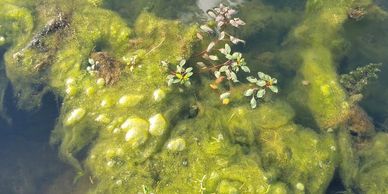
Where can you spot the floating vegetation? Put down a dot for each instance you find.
(224, 69)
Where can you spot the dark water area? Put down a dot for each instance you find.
(28, 163)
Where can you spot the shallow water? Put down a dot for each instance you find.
(61, 131)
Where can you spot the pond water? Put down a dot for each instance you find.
(193, 96)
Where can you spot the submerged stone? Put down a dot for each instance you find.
(136, 136)
(71, 90)
(75, 116)
(158, 125)
(129, 100)
(135, 122)
(159, 95)
(176, 145)
(137, 131)
(102, 118)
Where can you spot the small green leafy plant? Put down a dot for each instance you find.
(219, 60)
(181, 75)
(260, 86)
(355, 81)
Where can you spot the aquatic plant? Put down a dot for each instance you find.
(357, 13)
(355, 81)
(225, 68)
(180, 75)
(259, 90)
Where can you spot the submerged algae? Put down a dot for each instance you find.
(318, 36)
(138, 135)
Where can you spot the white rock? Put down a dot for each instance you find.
(71, 90)
(176, 145)
(300, 186)
(129, 100)
(136, 136)
(75, 116)
(70, 81)
(137, 133)
(159, 95)
(134, 122)
(102, 118)
(158, 125)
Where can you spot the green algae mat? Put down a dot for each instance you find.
(242, 97)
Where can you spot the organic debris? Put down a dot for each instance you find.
(105, 66)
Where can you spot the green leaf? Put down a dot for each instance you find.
(261, 83)
(199, 36)
(188, 70)
(267, 78)
(170, 82)
(210, 46)
(189, 74)
(274, 89)
(252, 79)
(235, 55)
(223, 51)
(233, 76)
(201, 64)
(206, 29)
(227, 48)
(213, 57)
(261, 75)
(245, 69)
(222, 36)
(249, 92)
(253, 102)
(224, 95)
(179, 69)
(183, 62)
(260, 93)
(217, 74)
(235, 40)
(223, 69)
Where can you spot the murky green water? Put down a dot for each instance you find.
(175, 96)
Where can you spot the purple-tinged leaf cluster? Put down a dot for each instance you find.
(221, 61)
(223, 15)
